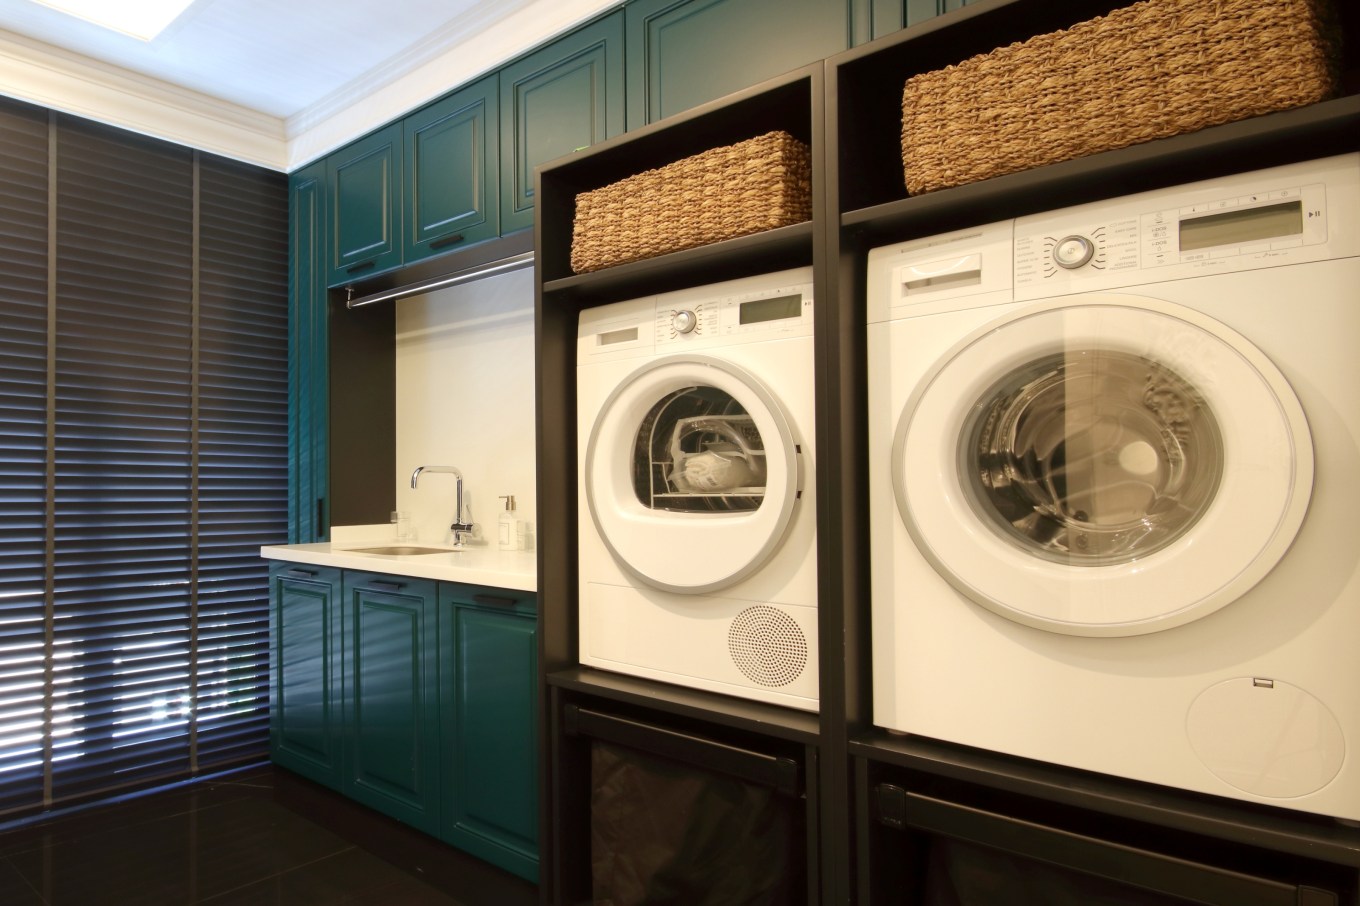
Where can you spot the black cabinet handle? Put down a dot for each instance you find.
(494, 600)
(300, 573)
(390, 587)
(320, 518)
(443, 241)
(361, 266)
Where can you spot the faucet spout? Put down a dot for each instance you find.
(459, 528)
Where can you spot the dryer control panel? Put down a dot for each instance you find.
(738, 311)
(1286, 215)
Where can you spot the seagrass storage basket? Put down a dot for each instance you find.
(1147, 71)
(754, 185)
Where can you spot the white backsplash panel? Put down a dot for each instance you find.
(465, 398)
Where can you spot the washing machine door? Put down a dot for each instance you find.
(692, 473)
(1103, 465)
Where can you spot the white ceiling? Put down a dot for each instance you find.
(283, 66)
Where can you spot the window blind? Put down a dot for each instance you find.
(242, 450)
(23, 451)
(143, 460)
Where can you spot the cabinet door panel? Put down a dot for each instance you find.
(365, 179)
(392, 699)
(891, 15)
(308, 360)
(566, 96)
(491, 800)
(451, 172)
(305, 719)
(682, 53)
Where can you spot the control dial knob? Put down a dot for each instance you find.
(684, 321)
(1072, 252)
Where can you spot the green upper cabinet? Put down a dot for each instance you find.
(565, 96)
(451, 172)
(489, 679)
(890, 15)
(682, 53)
(307, 356)
(365, 206)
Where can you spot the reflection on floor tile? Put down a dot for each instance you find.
(220, 843)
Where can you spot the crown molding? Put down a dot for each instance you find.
(485, 39)
(41, 74)
(452, 57)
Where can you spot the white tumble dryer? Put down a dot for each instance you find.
(697, 521)
(1114, 477)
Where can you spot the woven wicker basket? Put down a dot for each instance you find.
(754, 185)
(1147, 71)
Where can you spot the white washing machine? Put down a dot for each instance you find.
(1114, 477)
(697, 514)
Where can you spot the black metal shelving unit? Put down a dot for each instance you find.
(848, 109)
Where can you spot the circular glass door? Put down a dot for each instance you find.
(1106, 465)
(691, 474)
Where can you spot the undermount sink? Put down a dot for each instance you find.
(400, 550)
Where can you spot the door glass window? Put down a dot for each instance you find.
(698, 450)
(1091, 457)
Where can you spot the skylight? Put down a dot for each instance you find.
(141, 19)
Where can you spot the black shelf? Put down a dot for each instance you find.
(1265, 827)
(778, 249)
(723, 710)
(1286, 137)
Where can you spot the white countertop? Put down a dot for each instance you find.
(475, 565)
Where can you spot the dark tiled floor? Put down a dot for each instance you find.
(258, 836)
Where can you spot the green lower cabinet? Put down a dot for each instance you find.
(392, 697)
(488, 678)
(306, 720)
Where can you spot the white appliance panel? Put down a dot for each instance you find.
(722, 599)
(1255, 699)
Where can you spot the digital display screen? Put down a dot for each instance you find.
(1241, 227)
(776, 309)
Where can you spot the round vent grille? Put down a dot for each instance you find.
(767, 646)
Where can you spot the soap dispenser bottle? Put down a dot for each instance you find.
(510, 530)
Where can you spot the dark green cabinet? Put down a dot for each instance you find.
(308, 346)
(365, 206)
(682, 53)
(566, 96)
(891, 15)
(489, 679)
(392, 696)
(306, 720)
(417, 698)
(451, 178)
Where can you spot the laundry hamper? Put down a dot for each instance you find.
(754, 185)
(1147, 71)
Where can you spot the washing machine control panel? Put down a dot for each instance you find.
(738, 312)
(1231, 225)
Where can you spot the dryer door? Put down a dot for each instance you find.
(692, 473)
(1103, 465)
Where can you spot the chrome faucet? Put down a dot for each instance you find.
(459, 528)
